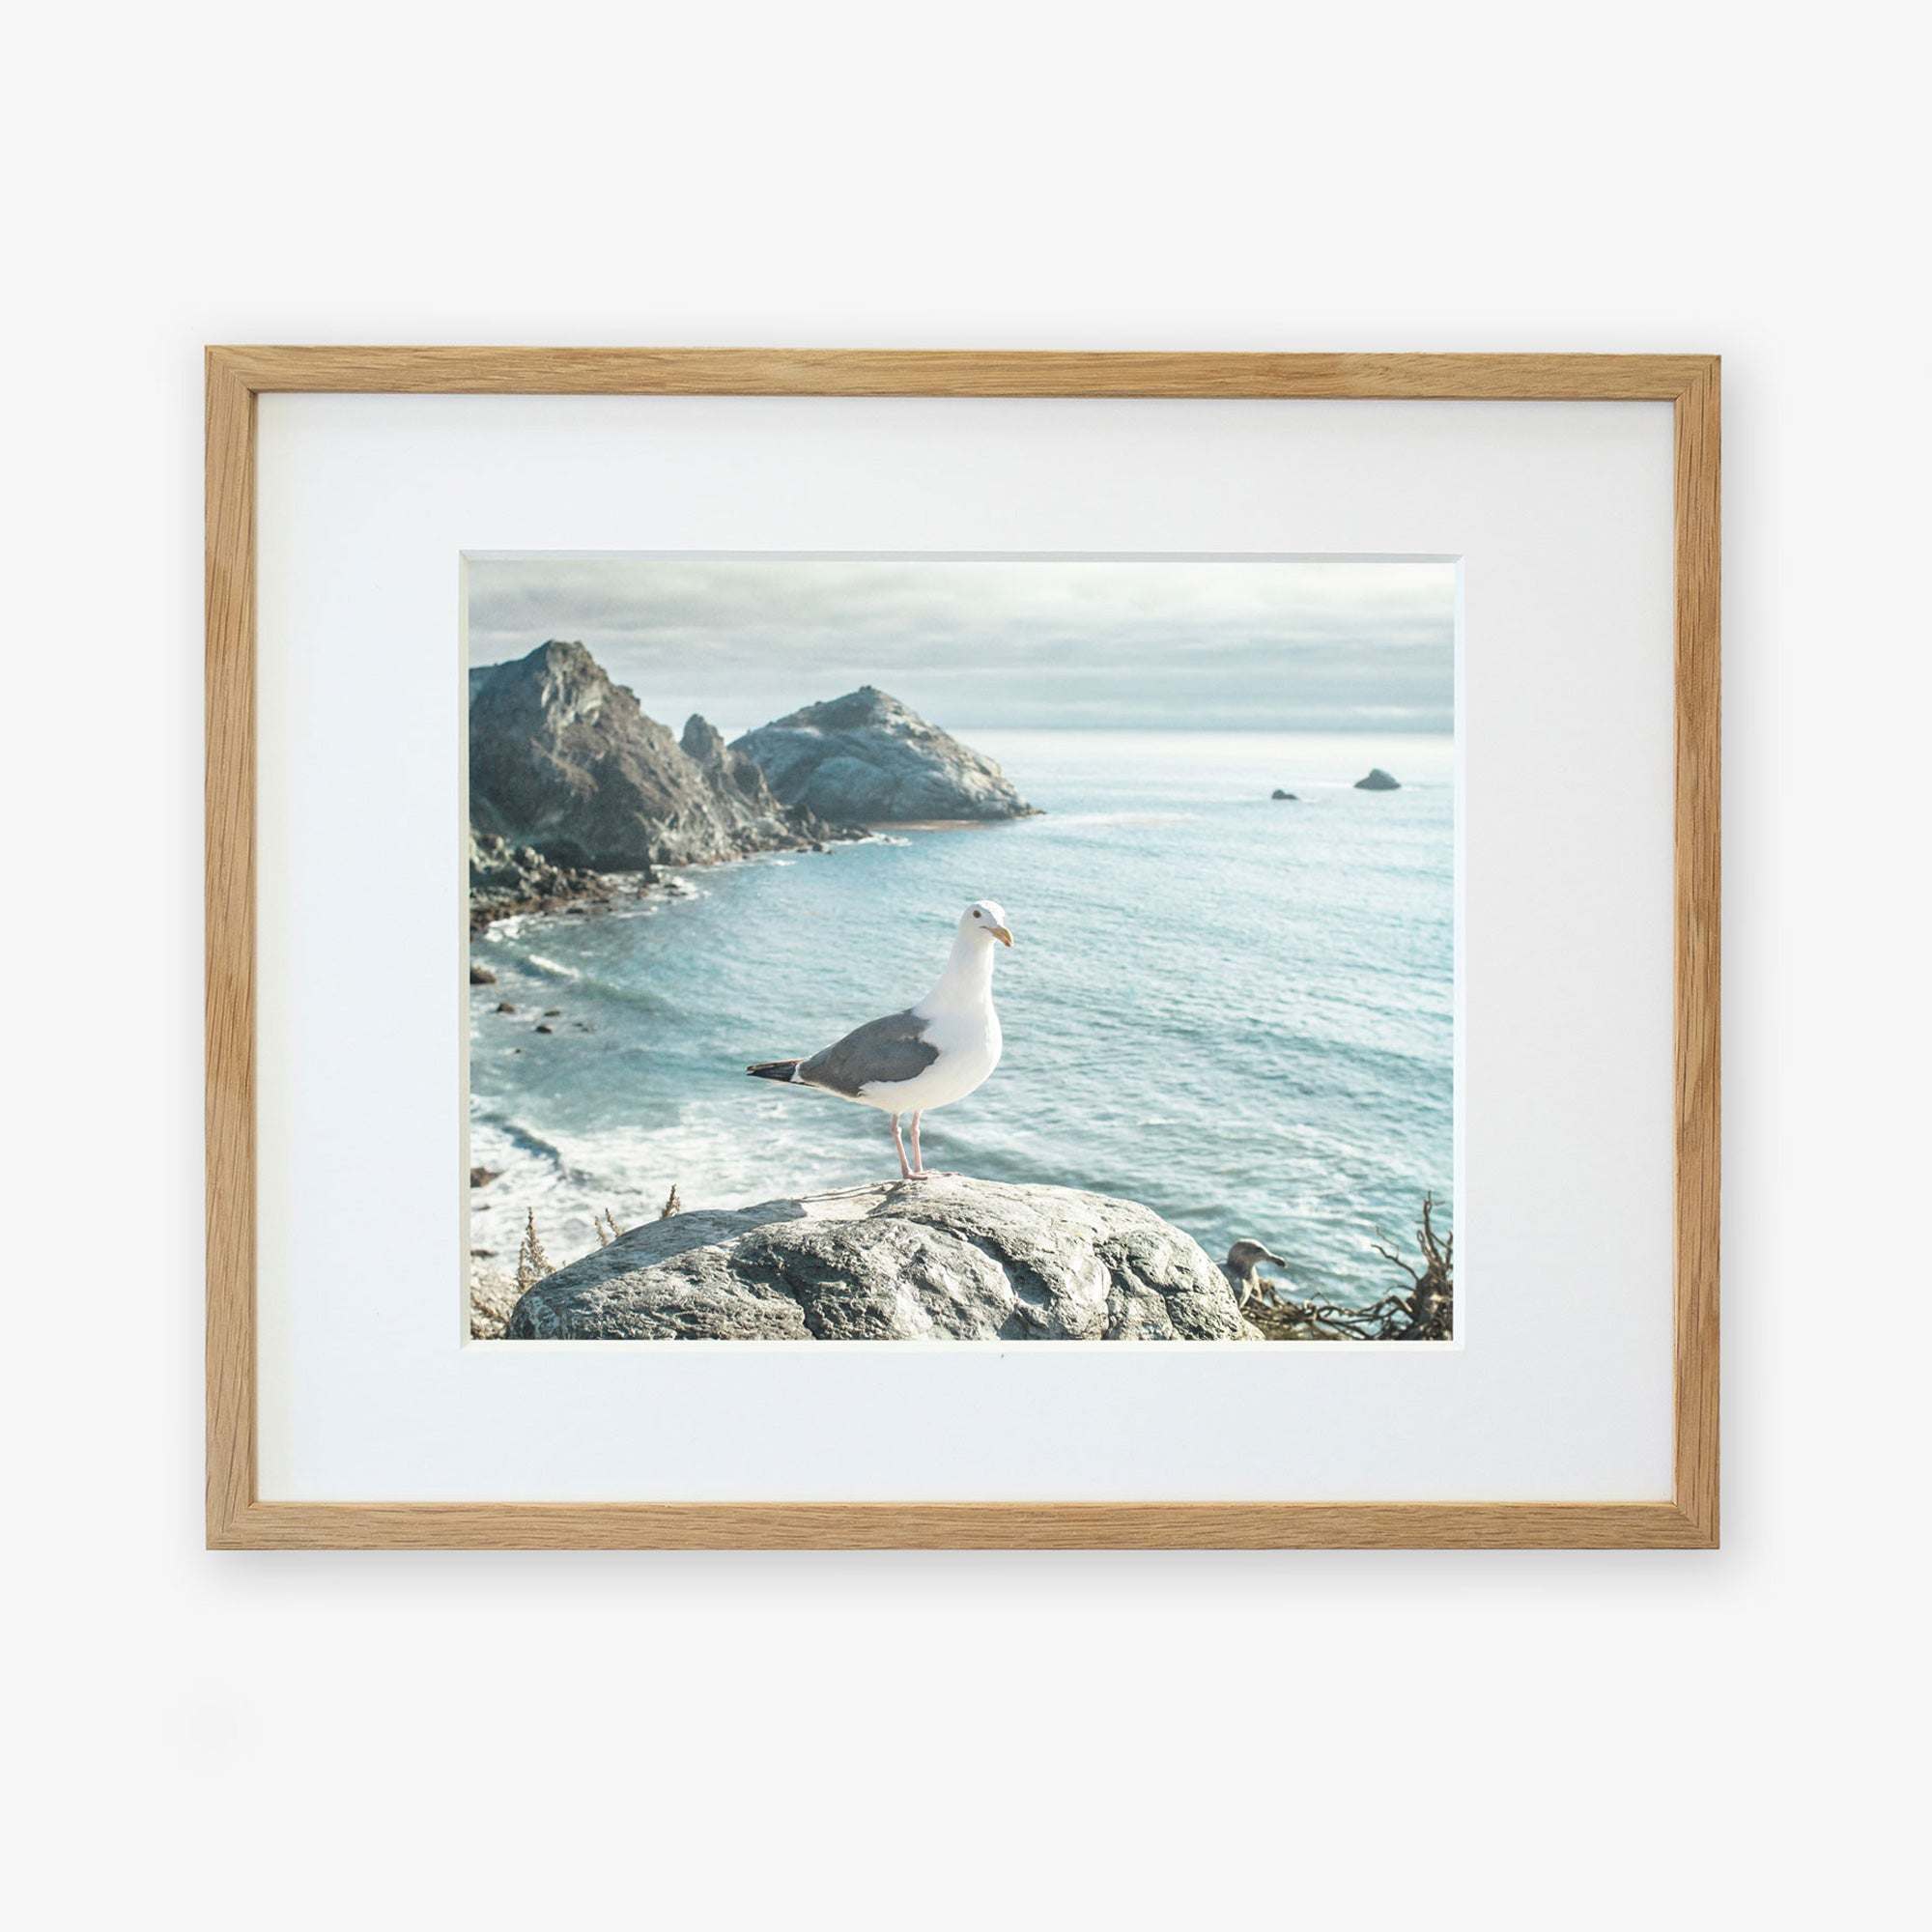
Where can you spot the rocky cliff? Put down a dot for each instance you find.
(945, 1259)
(867, 758)
(730, 774)
(563, 760)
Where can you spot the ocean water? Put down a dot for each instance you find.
(1237, 1011)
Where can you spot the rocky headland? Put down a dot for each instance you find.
(574, 788)
(947, 1259)
(869, 758)
(563, 760)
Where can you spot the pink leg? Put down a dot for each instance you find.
(917, 1159)
(905, 1172)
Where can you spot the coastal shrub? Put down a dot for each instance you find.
(532, 1263)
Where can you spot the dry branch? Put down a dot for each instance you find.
(1425, 1312)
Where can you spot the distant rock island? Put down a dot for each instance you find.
(1378, 781)
(867, 756)
(1278, 793)
(570, 780)
(947, 1259)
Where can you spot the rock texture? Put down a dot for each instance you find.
(565, 761)
(732, 775)
(945, 1259)
(865, 757)
(506, 878)
(1378, 781)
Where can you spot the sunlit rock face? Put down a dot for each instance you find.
(867, 758)
(944, 1259)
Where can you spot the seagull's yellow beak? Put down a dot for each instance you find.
(1001, 933)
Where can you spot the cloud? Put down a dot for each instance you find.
(1333, 644)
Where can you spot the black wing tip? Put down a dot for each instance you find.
(774, 1069)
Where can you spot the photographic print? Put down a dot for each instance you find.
(956, 951)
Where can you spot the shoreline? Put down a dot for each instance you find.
(955, 824)
(603, 890)
(607, 889)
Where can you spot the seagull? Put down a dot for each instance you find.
(1244, 1258)
(933, 1053)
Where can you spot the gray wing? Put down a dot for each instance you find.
(893, 1048)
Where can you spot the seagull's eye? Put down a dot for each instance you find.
(976, 912)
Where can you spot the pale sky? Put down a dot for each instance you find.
(1333, 644)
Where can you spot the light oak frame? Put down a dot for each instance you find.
(238, 1518)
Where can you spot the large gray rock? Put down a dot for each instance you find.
(566, 762)
(944, 1259)
(1379, 780)
(865, 757)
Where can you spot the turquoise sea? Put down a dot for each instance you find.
(1234, 1010)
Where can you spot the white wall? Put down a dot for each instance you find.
(930, 1740)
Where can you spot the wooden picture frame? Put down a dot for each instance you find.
(237, 1517)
